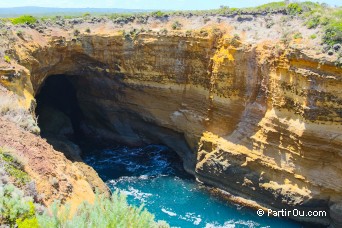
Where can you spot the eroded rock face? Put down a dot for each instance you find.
(56, 177)
(259, 121)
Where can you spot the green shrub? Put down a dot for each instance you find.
(7, 59)
(14, 168)
(25, 19)
(68, 17)
(20, 33)
(294, 9)
(325, 20)
(188, 33)
(176, 25)
(157, 14)
(87, 30)
(269, 24)
(105, 212)
(233, 10)
(15, 208)
(333, 28)
(297, 35)
(76, 32)
(28, 219)
(313, 36)
(333, 33)
(313, 22)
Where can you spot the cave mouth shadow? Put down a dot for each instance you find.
(63, 120)
(58, 111)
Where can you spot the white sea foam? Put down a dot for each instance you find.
(197, 221)
(168, 212)
(192, 217)
(141, 196)
(233, 224)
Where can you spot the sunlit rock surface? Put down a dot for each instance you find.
(262, 121)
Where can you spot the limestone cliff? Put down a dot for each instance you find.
(262, 121)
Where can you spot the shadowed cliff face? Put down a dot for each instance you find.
(259, 121)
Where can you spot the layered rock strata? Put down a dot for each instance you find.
(262, 121)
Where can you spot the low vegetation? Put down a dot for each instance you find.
(16, 209)
(176, 25)
(104, 212)
(333, 33)
(14, 168)
(20, 209)
(294, 9)
(25, 19)
(313, 36)
(313, 15)
(157, 14)
(7, 59)
(77, 32)
(330, 19)
(86, 15)
(297, 35)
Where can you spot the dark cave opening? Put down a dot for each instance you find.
(71, 117)
(58, 111)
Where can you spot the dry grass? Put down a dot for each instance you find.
(12, 111)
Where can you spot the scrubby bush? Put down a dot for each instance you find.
(76, 32)
(7, 59)
(333, 33)
(313, 36)
(176, 25)
(87, 30)
(25, 19)
(269, 23)
(104, 212)
(16, 210)
(313, 22)
(294, 9)
(188, 33)
(157, 14)
(20, 33)
(285, 37)
(325, 20)
(14, 168)
(298, 35)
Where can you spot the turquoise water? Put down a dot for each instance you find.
(153, 175)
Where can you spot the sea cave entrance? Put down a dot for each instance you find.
(58, 111)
